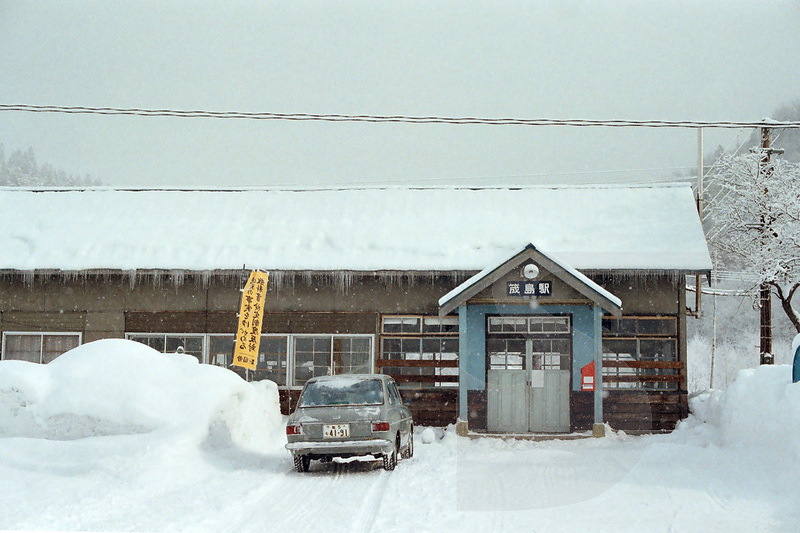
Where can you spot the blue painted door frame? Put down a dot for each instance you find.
(586, 345)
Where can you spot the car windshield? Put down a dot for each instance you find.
(342, 391)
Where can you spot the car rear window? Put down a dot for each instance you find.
(344, 391)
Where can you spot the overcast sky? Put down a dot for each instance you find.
(672, 60)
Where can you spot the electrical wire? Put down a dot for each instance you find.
(407, 119)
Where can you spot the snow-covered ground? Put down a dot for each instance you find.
(114, 436)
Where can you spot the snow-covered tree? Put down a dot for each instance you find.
(21, 170)
(757, 222)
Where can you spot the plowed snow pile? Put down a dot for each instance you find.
(760, 409)
(118, 387)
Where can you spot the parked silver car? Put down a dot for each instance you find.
(350, 415)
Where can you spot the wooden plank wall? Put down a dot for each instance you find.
(581, 410)
(432, 407)
(288, 399)
(638, 410)
(476, 409)
(630, 410)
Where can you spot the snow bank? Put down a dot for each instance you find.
(761, 409)
(115, 387)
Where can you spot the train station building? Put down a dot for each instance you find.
(509, 310)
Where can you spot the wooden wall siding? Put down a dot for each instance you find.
(581, 410)
(476, 409)
(432, 407)
(640, 411)
(288, 400)
(166, 322)
(32, 321)
(652, 376)
(318, 322)
(644, 411)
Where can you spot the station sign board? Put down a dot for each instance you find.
(529, 288)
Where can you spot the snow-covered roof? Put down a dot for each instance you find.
(588, 227)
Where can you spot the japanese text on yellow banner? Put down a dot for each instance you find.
(251, 313)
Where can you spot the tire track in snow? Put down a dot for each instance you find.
(371, 505)
(319, 498)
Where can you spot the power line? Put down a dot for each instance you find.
(407, 119)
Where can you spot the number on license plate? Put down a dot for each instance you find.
(334, 431)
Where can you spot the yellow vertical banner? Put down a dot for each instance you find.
(251, 313)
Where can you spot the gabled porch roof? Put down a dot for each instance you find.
(559, 269)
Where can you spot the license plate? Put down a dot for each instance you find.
(335, 431)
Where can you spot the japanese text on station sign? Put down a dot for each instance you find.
(251, 314)
(529, 288)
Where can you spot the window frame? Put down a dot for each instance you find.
(638, 338)
(290, 347)
(41, 335)
(419, 338)
(671, 318)
(290, 356)
(421, 331)
(203, 337)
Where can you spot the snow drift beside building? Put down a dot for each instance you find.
(114, 387)
(761, 409)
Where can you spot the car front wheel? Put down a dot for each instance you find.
(301, 463)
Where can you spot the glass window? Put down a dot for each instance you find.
(55, 345)
(312, 355)
(506, 354)
(395, 393)
(272, 357)
(530, 324)
(633, 327)
(402, 324)
(191, 344)
(220, 350)
(156, 342)
(440, 325)
(624, 360)
(657, 350)
(38, 347)
(635, 350)
(425, 356)
(351, 355)
(342, 391)
(23, 348)
(312, 358)
(657, 326)
(330, 354)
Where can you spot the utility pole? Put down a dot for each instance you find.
(764, 292)
(700, 194)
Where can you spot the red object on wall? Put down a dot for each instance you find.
(587, 377)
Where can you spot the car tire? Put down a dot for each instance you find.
(409, 453)
(390, 460)
(301, 463)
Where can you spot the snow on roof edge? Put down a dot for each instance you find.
(486, 271)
